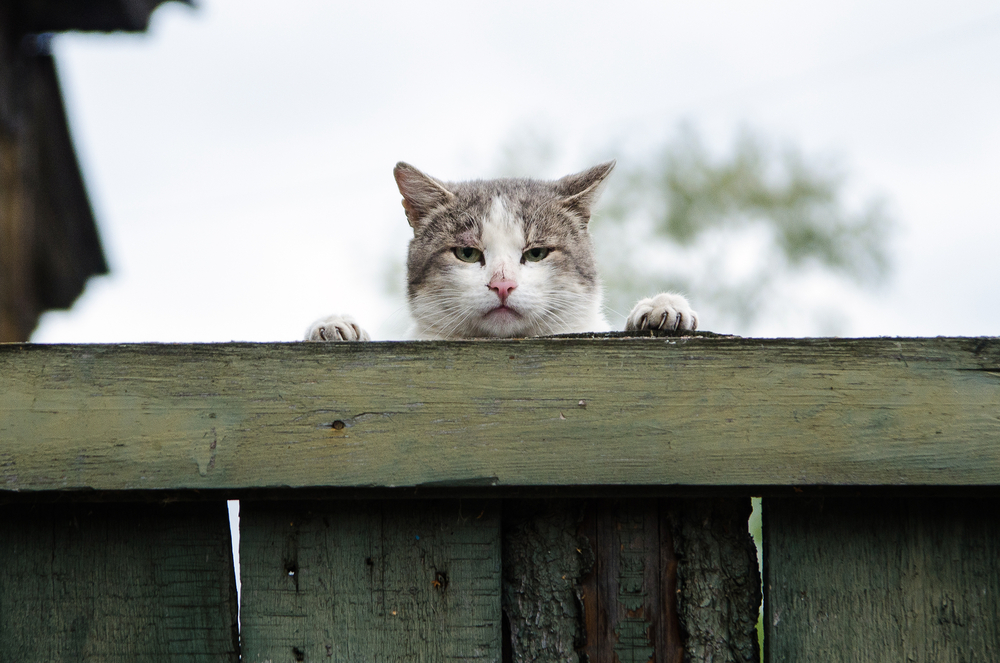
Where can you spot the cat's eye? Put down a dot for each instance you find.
(535, 254)
(468, 253)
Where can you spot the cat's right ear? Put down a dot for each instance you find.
(421, 193)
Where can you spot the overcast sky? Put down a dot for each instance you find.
(239, 155)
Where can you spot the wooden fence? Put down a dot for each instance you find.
(532, 500)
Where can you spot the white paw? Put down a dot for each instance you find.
(336, 328)
(664, 311)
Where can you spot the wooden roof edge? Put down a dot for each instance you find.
(41, 16)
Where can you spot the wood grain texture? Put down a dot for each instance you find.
(117, 583)
(718, 580)
(630, 580)
(887, 580)
(673, 580)
(536, 412)
(626, 604)
(371, 581)
(544, 558)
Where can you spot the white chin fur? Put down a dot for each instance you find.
(430, 324)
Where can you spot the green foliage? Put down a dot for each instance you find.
(775, 212)
(801, 201)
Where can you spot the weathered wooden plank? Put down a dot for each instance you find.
(536, 412)
(545, 557)
(718, 580)
(370, 581)
(630, 580)
(119, 582)
(629, 609)
(889, 580)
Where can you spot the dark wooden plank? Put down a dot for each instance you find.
(129, 583)
(536, 412)
(630, 580)
(627, 582)
(667, 636)
(545, 556)
(674, 580)
(718, 580)
(370, 581)
(889, 580)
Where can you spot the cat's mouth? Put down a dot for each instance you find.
(503, 311)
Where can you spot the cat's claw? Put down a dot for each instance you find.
(666, 310)
(336, 328)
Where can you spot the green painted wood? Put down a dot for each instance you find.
(118, 582)
(370, 581)
(882, 580)
(536, 412)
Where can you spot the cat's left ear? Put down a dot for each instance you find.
(581, 191)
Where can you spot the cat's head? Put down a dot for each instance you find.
(501, 258)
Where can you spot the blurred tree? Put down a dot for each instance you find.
(748, 236)
(732, 231)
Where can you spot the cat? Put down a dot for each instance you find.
(505, 258)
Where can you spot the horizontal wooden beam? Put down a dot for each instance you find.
(610, 411)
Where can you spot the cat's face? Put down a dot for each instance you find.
(501, 258)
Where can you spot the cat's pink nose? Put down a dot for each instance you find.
(502, 288)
